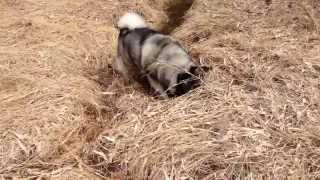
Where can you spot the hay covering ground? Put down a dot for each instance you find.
(54, 72)
(65, 115)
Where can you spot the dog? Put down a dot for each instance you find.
(146, 55)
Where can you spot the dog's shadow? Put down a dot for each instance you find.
(113, 83)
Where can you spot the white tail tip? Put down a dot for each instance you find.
(131, 21)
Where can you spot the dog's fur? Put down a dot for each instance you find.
(147, 55)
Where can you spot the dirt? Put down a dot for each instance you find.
(175, 11)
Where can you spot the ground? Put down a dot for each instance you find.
(64, 113)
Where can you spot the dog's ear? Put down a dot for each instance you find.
(199, 70)
(206, 68)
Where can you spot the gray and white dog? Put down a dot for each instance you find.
(147, 55)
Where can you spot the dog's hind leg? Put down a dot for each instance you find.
(119, 67)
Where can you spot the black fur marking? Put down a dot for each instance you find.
(145, 34)
(185, 83)
(183, 77)
(124, 32)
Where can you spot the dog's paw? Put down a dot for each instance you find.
(159, 95)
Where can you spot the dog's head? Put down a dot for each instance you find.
(188, 80)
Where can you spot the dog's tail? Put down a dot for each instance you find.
(131, 21)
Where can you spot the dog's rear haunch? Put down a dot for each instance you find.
(147, 55)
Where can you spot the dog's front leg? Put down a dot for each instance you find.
(158, 89)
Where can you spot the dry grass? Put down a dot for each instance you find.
(255, 117)
(54, 76)
(63, 113)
